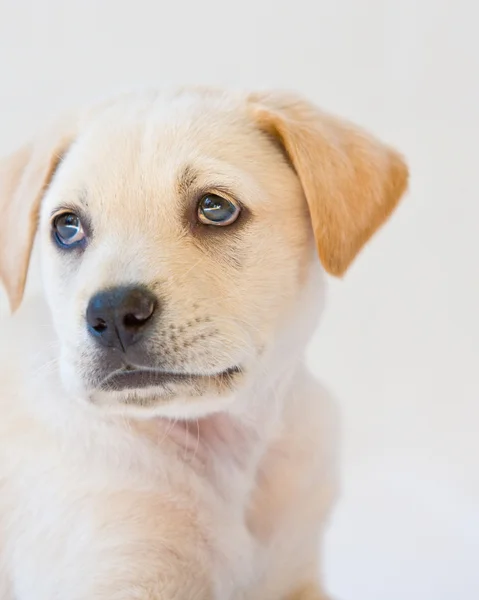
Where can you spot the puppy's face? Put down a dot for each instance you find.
(175, 238)
(177, 242)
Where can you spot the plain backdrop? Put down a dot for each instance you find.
(399, 341)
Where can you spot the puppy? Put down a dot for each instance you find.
(160, 437)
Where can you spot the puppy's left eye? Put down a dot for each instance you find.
(216, 210)
(68, 230)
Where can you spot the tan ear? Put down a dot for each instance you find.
(352, 182)
(24, 177)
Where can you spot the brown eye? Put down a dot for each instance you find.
(216, 210)
(68, 230)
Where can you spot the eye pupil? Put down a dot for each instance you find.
(68, 226)
(71, 220)
(68, 229)
(215, 210)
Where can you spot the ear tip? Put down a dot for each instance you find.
(14, 295)
(13, 303)
(334, 264)
(400, 174)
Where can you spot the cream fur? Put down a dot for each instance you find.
(205, 494)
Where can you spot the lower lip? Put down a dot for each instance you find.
(138, 379)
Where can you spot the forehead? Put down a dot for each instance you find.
(154, 145)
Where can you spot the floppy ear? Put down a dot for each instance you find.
(352, 182)
(24, 177)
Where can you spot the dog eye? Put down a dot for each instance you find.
(216, 210)
(68, 230)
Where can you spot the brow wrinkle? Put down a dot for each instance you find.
(186, 180)
(83, 198)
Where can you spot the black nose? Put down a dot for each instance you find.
(118, 317)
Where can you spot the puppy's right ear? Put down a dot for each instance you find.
(24, 177)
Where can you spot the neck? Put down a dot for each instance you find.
(234, 440)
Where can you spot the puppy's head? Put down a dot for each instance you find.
(178, 235)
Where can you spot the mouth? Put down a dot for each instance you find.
(134, 379)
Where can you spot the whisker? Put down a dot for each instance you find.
(187, 433)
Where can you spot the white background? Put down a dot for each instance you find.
(400, 339)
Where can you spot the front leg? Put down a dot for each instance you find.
(124, 546)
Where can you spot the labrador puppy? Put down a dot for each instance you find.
(160, 437)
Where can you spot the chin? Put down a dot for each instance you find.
(150, 393)
(157, 402)
(147, 392)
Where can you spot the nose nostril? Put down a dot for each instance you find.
(138, 318)
(132, 321)
(100, 326)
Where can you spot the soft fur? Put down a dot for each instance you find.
(213, 489)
